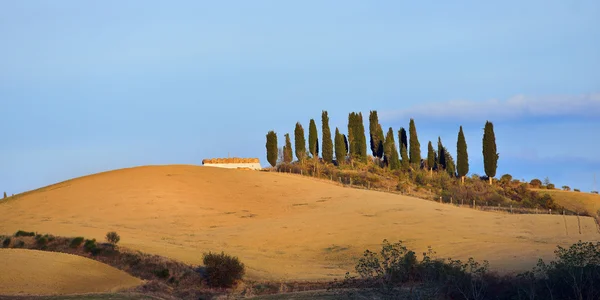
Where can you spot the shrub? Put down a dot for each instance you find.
(42, 241)
(113, 238)
(91, 246)
(162, 273)
(223, 270)
(550, 186)
(20, 244)
(506, 178)
(594, 192)
(536, 183)
(24, 233)
(76, 242)
(566, 188)
(576, 190)
(6, 242)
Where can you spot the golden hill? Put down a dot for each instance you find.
(281, 226)
(575, 201)
(31, 272)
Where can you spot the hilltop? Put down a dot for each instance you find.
(282, 226)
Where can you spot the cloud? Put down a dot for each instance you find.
(516, 107)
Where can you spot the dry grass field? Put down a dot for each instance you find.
(281, 226)
(48, 273)
(575, 201)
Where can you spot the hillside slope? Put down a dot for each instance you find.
(31, 272)
(575, 201)
(280, 225)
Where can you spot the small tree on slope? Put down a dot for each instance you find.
(490, 154)
(327, 151)
(271, 146)
(462, 156)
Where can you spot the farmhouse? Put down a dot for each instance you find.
(233, 163)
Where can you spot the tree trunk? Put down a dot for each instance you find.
(490, 180)
(462, 180)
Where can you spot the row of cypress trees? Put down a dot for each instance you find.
(383, 148)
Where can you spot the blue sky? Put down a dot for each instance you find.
(93, 86)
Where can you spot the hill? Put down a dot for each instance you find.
(281, 226)
(575, 201)
(31, 272)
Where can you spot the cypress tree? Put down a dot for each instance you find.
(490, 156)
(462, 156)
(356, 137)
(376, 135)
(415, 147)
(441, 163)
(351, 128)
(405, 163)
(327, 151)
(271, 146)
(5, 195)
(430, 156)
(340, 147)
(313, 139)
(300, 142)
(403, 139)
(450, 167)
(288, 154)
(391, 153)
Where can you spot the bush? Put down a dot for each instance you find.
(92, 247)
(6, 242)
(506, 178)
(24, 233)
(19, 244)
(76, 242)
(113, 238)
(566, 188)
(550, 186)
(162, 273)
(42, 241)
(576, 190)
(535, 183)
(223, 270)
(594, 192)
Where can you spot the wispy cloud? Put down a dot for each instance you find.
(517, 107)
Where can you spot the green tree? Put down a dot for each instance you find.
(376, 135)
(346, 144)
(490, 154)
(415, 148)
(288, 154)
(356, 137)
(340, 147)
(351, 128)
(391, 153)
(5, 195)
(327, 151)
(299, 142)
(313, 139)
(450, 166)
(462, 156)
(403, 139)
(405, 163)
(430, 156)
(441, 155)
(272, 148)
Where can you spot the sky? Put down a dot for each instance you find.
(90, 86)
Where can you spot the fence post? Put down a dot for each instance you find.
(511, 211)
(450, 200)
(302, 172)
(440, 199)
(473, 203)
(550, 210)
(368, 185)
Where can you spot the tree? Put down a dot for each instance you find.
(300, 142)
(490, 156)
(376, 135)
(5, 195)
(340, 147)
(351, 128)
(405, 163)
(403, 139)
(430, 157)
(391, 153)
(272, 148)
(546, 181)
(462, 156)
(415, 147)
(313, 139)
(450, 166)
(346, 143)
(441, 155)
(566, 188)
(356, 137)
(327, 151)
(113, 238)
(536, 183)
(288, 154)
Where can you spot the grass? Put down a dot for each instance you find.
(576, 201)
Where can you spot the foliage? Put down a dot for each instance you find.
(5, 195)
(506, 178)
(222, 270)
(462, 156)
(490, 154)
(535, 183)
(546, 181)
(450, 166)
(402, 138)
(271, 146)
(356, 137)
(340, 147)
(415, 147)
(24, 233)
(112, 237)
(288, 154)
(76, 242)
(376, 140)
(441, 155)
(391, 153)
(6, 242)
(404, 155)
(576, 190)
(566, 188)
(162, 273)
(299, 142)
(327, 151)
(313, 139)
(550, 186)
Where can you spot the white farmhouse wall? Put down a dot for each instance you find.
(254, 166)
